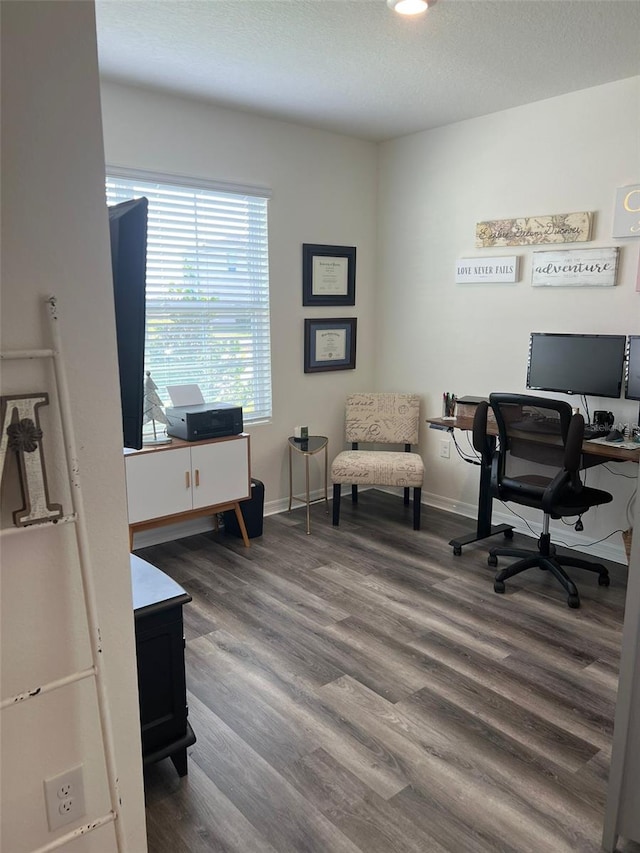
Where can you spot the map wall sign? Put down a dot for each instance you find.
(626, 214)
(528, 231)
(575, 268)
(479, 270)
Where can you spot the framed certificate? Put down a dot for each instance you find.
(328, 275)
(329, 344)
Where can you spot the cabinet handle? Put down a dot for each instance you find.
(187, 480)
(197, 476)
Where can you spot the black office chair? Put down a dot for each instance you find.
(535, 429)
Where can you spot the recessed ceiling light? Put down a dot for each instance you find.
(410, 7)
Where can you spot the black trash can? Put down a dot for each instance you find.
(252, 512)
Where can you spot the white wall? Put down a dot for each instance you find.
(556, 156)
(417, 330)
(622, 812)
(55, 240)
(324, 191)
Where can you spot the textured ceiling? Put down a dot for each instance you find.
(356, 67)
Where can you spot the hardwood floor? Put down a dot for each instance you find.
(361, 689)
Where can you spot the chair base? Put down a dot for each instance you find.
(417, 494)
(545, 558)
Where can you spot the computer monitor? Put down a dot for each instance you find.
(632, 372)
(576, 364)
(128, 232)
(632, 377)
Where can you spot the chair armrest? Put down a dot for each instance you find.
(480, 439)
(494, 482)
(553, 490)
(573, 444)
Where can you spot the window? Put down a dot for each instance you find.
(207, 295)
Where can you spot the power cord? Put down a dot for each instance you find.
(461, 453)
(517, 515)
(559, 541)
(577, 525)
(588, 544)
(620, 474)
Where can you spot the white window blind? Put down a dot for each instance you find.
(207, 296)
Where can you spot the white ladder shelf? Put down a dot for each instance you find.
(76, 518)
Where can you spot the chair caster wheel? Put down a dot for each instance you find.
(604, 580)
(498, 586)
(573, 601)
(492, 560)
(508, 534)
(457, 550)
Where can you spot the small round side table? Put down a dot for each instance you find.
(308, 447)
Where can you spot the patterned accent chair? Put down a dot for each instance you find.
(380, 419)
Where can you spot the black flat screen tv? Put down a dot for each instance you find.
(632, 381)
(128, 232)
(576, 364)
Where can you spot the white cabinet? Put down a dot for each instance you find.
(186, 479)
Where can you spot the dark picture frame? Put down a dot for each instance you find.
(328, 274)
(330, 344)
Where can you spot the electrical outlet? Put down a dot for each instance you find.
(64, 797)
(445, 447)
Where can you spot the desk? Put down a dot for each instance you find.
(308, 447)
(592, 454)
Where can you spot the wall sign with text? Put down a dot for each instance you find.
(575, 268)
(528, 231)
(626, 214)
(480, 270)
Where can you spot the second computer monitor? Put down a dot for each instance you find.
(632, 380)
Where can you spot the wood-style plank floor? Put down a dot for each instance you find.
(362, 689)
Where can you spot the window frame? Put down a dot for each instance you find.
(264, 387)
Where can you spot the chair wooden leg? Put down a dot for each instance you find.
(336, 504)
(406, 496)
(354, 494)
(417, 506)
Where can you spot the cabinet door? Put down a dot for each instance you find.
(161, 679)
(220, 472)
(158, 484)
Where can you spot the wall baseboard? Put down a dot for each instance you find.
(614, 550)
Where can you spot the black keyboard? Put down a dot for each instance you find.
(551, 426)
(544, 426)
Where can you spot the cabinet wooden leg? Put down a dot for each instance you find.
(180, 761)
(241, 524)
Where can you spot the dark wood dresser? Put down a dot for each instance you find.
(157, 608)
